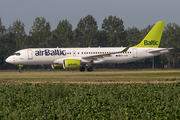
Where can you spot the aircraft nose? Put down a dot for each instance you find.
(9, 60)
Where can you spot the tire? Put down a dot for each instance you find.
(82, 69)
(20, 70)
(89, 69)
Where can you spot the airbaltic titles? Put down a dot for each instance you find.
(152, 42)
(48, 52)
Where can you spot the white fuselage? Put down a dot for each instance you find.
(39, 56)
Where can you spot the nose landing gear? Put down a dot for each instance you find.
(20, 68)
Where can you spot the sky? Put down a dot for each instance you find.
(134, 13)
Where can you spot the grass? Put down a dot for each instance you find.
(20, 99)
(82, 101)
(92, 77)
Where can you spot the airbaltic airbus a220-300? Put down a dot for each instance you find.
(79, 58)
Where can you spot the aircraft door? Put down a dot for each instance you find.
(30, 54)
(135, 54)
(74, 53)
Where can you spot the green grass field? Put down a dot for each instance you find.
(22, 98)
(91, 77)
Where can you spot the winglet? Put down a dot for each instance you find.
(153, 38)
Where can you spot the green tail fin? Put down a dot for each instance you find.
(153, 38)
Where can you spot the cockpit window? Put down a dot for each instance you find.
(18, 54)
(14, 54)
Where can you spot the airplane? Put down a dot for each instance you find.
(79, 58)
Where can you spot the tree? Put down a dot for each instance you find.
(102, 38)
(3, 43)
(40, 33)
(86, 32)
(171, 37)
(133, 36)
(17, 29)
(2, 28)
(64, 34)
(115, 32)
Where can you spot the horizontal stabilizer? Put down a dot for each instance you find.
(155, 51)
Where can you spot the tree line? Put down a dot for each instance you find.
(112, 34)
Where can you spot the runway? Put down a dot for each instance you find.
(95, 77)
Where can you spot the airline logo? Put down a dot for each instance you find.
(152, 42)
(72, 64)
(48, 52)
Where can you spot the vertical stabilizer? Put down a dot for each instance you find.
(153, 38)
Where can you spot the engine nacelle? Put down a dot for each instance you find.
(56, 66)
(71, 64)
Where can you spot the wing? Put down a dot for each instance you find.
(94, 57)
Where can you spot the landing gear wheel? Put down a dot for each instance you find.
(20, 70)
(82, 69)
(89, 69)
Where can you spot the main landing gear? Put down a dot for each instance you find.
(82, 69)
(89, 69)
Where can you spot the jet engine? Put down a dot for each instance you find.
(71, 64)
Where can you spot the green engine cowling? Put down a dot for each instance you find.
(71, 64)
